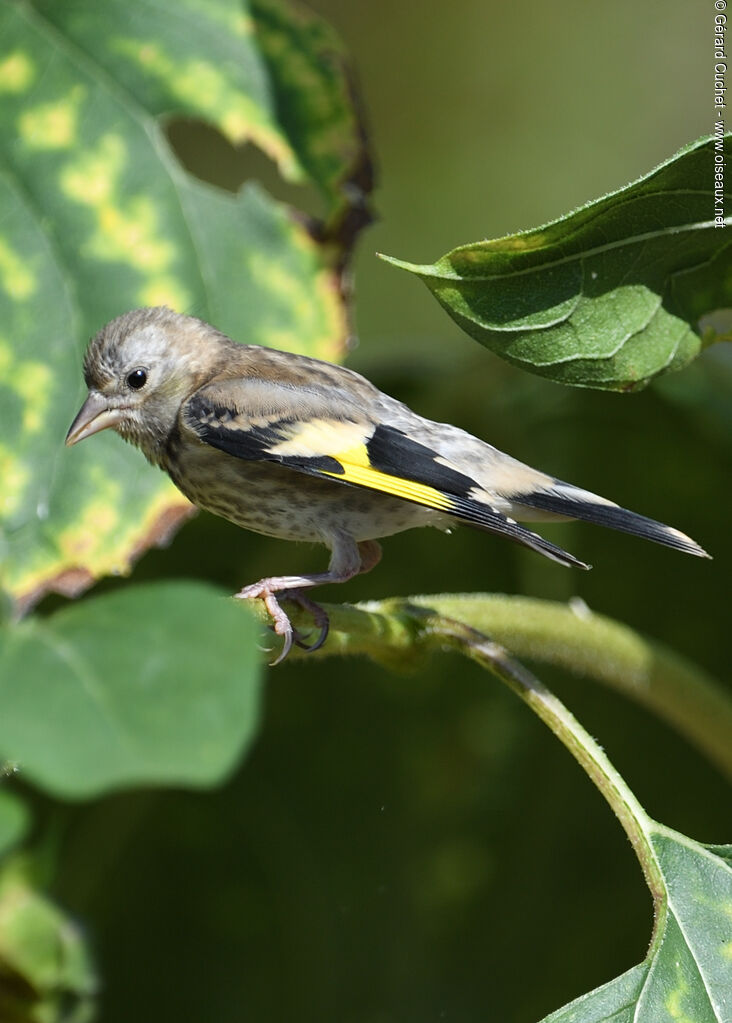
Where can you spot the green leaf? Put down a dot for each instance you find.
(614, 1002)
(155, 684)
(686, 975)
(609, 296)
(45, 971)
(13, 820)
(100, 217)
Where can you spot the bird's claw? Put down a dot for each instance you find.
(281, 624)
(289, 638)
(312, 647)
(320, 618)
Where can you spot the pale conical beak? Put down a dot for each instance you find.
(93, 416)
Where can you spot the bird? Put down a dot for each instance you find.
(306, 450)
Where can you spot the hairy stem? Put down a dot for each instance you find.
(399, 628)
(568, 636)
(570, 732)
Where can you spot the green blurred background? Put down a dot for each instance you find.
(401, 849)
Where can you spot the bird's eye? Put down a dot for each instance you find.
(137, 379)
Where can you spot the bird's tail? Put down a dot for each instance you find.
(571, 502)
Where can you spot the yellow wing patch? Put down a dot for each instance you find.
(362, 475)
(318, 437)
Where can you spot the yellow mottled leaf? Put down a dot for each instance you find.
(99, 217)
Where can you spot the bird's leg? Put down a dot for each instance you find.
(348, 559)
(370, 553)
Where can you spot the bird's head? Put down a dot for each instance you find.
(139, 368)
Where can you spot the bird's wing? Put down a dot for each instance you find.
(326, 433)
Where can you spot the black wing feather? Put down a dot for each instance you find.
(216, 425)
(611, 515)
(392, 451)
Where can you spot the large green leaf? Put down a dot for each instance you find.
(155, 684)
(609, 296)
(99, 217)
(687, 974)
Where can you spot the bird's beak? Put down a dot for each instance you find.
(93, 416)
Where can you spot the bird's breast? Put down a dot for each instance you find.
(278, 501)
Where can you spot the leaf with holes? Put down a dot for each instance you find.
(318, 107)
(609, 296)
(99, 217)
(154, 684)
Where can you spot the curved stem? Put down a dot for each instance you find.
(573, 637)
(402, 627)
(568, 636)
(570, 732)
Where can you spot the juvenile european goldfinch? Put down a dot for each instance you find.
(304, 450)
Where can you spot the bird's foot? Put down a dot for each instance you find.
(267, 591)
(280, 621)
(320, 618)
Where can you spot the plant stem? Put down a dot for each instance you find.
(573, 638)
(569, 731)
(588, 644)
(408, 625)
